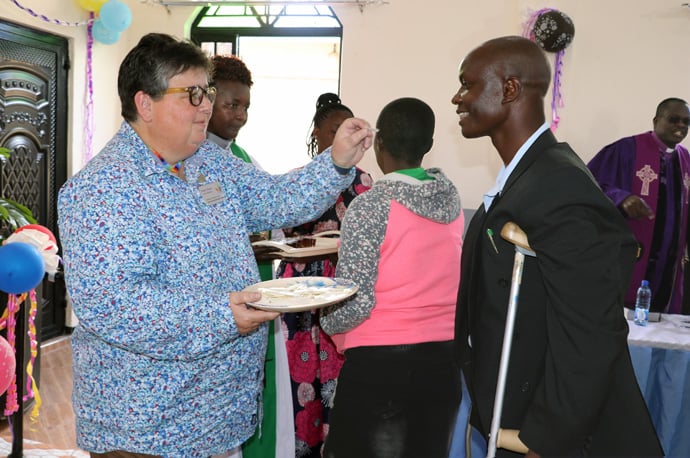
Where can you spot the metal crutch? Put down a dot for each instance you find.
(508, 439)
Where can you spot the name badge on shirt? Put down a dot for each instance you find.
(211, 193)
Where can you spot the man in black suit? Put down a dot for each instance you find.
(571, 390)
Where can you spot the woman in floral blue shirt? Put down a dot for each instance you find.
(167, 358)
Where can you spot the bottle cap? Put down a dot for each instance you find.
(644, 283)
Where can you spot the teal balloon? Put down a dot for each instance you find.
(104, 35)
(21, 267)
(115, 15)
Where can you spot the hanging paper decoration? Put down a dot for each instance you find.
(553, 30)
(43, 240)
(49, 236)
(31, 386)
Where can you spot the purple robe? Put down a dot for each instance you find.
(641, 165)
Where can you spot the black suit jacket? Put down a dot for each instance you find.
(570, 387)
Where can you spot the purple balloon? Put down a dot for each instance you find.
(21, 267)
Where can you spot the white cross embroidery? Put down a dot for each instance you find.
(686, 183)
(647, 175)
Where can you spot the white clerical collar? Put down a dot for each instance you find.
(663, 147)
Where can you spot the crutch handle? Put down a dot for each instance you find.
(509, 440)
(512, 233)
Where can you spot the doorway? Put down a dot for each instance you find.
(293, 53)
(289, 75)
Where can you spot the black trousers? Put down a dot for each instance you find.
(395, 402)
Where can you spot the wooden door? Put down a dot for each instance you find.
(33, 124)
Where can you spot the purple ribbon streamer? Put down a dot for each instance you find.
(88, 111)
(557, 96)
(528, 28)
(50, 20)
(557, 99)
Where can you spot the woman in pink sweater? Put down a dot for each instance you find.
(399, 388)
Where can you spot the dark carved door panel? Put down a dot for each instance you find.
(33, 124)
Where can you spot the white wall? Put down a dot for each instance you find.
(627, 55)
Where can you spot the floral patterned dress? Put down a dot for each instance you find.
(312, 356)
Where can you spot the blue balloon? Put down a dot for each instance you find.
(115, 15)
(104, 35)
(21, 267)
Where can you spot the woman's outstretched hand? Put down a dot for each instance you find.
(353, 138)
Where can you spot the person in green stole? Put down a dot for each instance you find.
(232, 80)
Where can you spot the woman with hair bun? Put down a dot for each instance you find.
(314, 361)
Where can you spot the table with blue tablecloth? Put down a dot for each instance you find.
(661, 357)
(660, 353)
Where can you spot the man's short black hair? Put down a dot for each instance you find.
(663, 105)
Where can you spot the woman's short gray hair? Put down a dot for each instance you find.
(149, 66)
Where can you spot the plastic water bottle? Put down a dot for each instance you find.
(644, 297)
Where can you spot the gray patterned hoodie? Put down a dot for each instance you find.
(401, 243)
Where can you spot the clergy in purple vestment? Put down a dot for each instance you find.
(647, 176)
